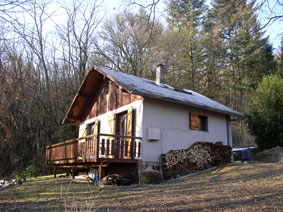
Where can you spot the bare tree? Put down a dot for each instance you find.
(272, 10)
(32, 104)
(30, 28)
(129, 44)
(78, 35)
(149, 5)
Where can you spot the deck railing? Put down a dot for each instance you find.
(92, 148)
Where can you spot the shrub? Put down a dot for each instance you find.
(30, 171)
(265, 119)
(273, 155)
(150, 177)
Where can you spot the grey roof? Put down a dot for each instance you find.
(148, 88)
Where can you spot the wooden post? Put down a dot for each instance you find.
(139, 149)
(132, 148)
(47, 156)
(97, 146)
(73, 173)
(117, 148)
(100, 173)
(55, 169)
(75, 149)
(65, 149)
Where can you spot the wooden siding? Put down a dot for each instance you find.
(91, 101)
(116, 97)
(86, 95)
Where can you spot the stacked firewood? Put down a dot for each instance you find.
(116, 179)
(113, 179)
(200, 156)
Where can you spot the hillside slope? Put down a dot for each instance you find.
(242, 187)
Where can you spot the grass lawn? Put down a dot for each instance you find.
(241, 187)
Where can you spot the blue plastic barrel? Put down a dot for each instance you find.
(246, 155)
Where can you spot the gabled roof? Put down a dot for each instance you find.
(146, 88)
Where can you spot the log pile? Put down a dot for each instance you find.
(200, 156)
(116, 179)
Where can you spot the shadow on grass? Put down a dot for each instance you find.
(30, 206)
(226, 188)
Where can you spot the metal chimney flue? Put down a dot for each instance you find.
(160, 74)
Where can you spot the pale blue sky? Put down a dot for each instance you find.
(273, 30)
(110, 7)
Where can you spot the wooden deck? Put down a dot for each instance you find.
(93, 150)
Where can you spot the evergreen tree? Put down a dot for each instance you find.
(213, 55)
(246, 55)
(280, 61)
(182, 11)
(185, 18)
(265, 117)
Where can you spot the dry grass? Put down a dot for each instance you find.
(242, 187)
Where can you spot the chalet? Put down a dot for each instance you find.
(126, 123)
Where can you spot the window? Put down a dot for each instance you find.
(125, 123)
(90, 129)
(121, 124)
(203, 123)
(93, 128)
(198, 122)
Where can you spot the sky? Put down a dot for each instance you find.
(111, 7)
(274, 30)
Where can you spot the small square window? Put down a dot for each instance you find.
(198, 122)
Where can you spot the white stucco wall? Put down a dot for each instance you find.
(173, 121)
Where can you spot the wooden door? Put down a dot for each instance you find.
(121, 130)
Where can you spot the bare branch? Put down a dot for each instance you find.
(274, 11)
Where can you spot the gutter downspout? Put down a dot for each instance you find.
(229, 131)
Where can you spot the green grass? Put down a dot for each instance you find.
(240, 187)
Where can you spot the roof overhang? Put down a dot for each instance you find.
(184, 103)
(89, 90)
(86, 94)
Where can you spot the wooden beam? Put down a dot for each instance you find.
(84, 95)
(76, 98)
(81, 166)
(113, 160)
(72, 117)
(55, 169)
(73, 173)
(97, 142)
(119, 136)
(96, 90)
(62, 143)
(100, 174)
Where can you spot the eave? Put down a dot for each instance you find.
(86, 93)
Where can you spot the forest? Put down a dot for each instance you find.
(217, 48)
